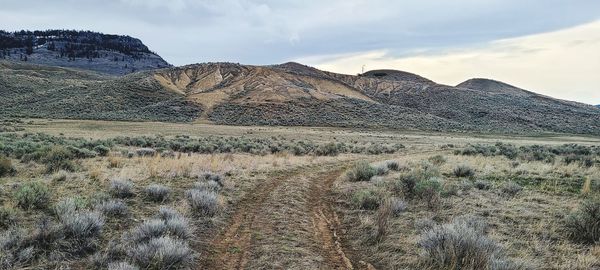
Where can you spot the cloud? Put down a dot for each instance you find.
(561, 64)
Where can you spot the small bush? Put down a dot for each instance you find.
(102, 150)
(145, 152)
(81, 225)
(203, 202)
(33, 195)
(208, 185)
(6, 167)
(59, 158)
(366, 199)
(463, 171)
(437, 160)
(483, 185)
(162, 253)
(113, 208)
(157, 193)
(393, 165)
(8, 217)
(429, 190)
(381, 170)
(121, 266)
(459, 245)
(511, 188)
(408, 182)
(362, 171)
(398, 206)
(121, 188)
(584, 225)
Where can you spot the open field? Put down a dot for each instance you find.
(146, 195)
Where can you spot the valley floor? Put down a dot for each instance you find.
(293, 197)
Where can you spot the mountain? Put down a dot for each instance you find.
(108, 54)
(288, 94)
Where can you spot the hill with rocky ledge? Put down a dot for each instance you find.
(107, 54)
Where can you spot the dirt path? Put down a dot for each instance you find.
(286, 222)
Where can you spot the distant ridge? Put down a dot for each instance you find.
(289, 94)
(108, 54)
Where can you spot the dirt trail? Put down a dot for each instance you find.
(286, 222)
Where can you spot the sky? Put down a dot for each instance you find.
(548, 46)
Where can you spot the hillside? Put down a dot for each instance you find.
(108, 54)
(289, 94)
(52, 92)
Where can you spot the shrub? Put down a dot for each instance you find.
(463, 171)
(162, 253)
(168, 223)
(145, 152)
(398, 206)
(6, 167)
(408, 183)
(33, 195)
(393, 165)
(113, 208)
(584, 225)
(361, 171)
(366, 199)
(8, 217)
(208, 185)
(58, 158)
(121, 266)
(203, 202)
(381, 169)
(157, 193)
(429, 190)
(102, 150)
(121, 188)
(461, 244)
(511, 188)
(82, 225)
(483, 185)
(437, 160)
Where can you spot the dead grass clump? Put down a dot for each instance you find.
(8, 217)
(584, 225)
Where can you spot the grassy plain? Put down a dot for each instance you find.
(277, 207)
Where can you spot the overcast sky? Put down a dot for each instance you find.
(548, 46)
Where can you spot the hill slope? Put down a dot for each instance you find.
(109, 54)
(289, 94)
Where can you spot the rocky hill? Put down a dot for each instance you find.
(108, 54)
(288, 94)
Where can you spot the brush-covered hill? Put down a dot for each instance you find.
(108, 54)
(289, 94)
